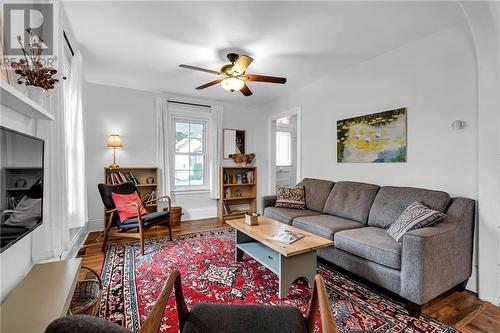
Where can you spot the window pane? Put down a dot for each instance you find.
(182, 162)
(181, 178)
(283, 148)
(196, 145)
(195, 179)
(181, 137)
(197, 130)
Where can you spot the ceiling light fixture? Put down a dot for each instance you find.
(232, 84)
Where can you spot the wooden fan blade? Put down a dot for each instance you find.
(246, 91)
(199, 69)
(264, 78)
(209, 84)
(241, 64)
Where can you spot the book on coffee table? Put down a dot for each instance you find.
(286, 236)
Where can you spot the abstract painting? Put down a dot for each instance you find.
(374, 138)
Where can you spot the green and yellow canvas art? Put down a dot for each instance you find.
(374, 138)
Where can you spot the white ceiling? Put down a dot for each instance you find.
(139, 44)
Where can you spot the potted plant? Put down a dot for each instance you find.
(33, 74)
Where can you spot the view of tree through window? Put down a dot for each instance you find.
(189, 153)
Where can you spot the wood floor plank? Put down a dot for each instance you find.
(463, 310)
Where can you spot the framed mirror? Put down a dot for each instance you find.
(234, 142)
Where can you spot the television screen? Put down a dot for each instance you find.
(21, 185)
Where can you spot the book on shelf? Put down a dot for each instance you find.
(119, 177)
(247, 177)
(148, 197)
(286, 236)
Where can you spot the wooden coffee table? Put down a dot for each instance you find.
(288, 261)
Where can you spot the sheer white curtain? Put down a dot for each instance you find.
(75, 150)
(163, 146)
(52, 237)
(214, 150)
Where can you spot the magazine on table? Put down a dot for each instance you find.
(286, 236)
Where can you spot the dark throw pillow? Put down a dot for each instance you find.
(415, 216)
(291, 197)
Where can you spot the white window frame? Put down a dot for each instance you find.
(186, 116)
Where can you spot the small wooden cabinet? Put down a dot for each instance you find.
(238, 187)
(145, 178)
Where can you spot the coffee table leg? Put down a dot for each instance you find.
(291, 268)
(240, 239)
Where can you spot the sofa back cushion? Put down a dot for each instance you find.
(351, 200)
(317, 191)
(391, 201)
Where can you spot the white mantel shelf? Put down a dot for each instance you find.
(15, 100)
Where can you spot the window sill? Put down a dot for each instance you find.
(191, 191)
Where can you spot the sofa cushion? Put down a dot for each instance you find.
(371, 243)
(317, 191)
(286, 215)
(391, 201)
(351, 200)
(325, 225)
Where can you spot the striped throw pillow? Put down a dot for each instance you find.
(291, 197)
(415, 216)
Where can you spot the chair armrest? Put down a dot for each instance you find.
(162, 198)
(153, 321)
(268, 201)
(127, 205)
(319, 300)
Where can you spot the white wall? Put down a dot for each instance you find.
(435, 78)
(131, 113)
(15, 261)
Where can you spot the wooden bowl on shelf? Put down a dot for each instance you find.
(243, 159)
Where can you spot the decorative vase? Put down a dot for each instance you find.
(36, 94)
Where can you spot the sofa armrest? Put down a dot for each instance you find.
(268, 201)
(435, 259)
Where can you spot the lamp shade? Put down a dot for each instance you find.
(114, 141)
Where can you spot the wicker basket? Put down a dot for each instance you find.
(87, 296)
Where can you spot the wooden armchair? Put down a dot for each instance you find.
(139, 223)
(220, 318)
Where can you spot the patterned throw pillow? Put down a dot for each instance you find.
(415, 216)
(291, 197)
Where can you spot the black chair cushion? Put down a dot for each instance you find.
(223, 318)
(105, 191)
(84, 324)
(149, 219)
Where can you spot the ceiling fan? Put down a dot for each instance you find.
(233, 75)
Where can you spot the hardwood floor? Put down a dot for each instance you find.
(460, 309)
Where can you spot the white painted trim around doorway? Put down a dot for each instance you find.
(275, 116)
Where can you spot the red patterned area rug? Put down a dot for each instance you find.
(210, 274)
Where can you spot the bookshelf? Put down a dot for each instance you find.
(13, 194)
(139, 176)
(238, 188)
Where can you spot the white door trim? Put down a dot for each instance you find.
(271, 177)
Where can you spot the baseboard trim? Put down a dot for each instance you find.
(199, 213)
(95, 225)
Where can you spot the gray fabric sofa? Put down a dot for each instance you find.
(428, 261)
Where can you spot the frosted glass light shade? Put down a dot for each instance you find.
(232, 84)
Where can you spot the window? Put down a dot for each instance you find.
(283, 148)
(190, 154)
